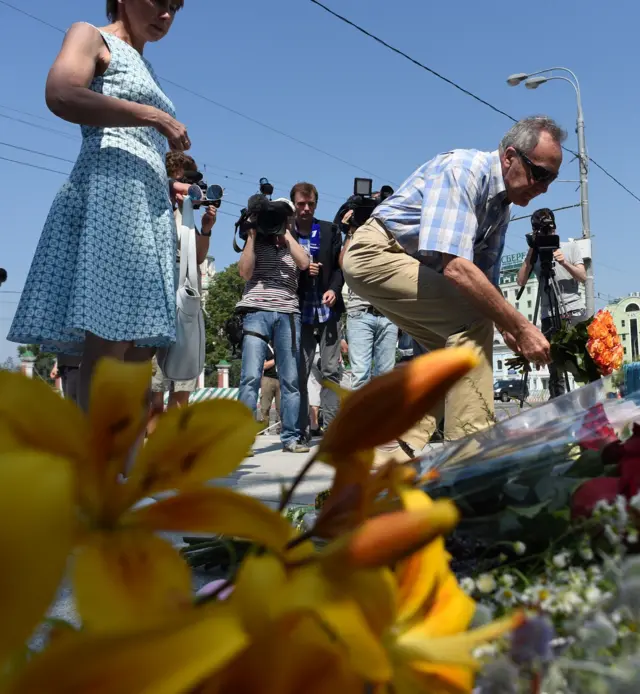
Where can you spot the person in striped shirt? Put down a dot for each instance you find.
(429, 260)
(271, 267)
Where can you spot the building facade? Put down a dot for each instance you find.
(626, 316)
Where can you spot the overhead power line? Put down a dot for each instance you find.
(557, 209)
(66, 173)
(34, 166)
(282, 133)
(453, 84)
(34, 151)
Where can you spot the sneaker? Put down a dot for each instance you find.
(316, 432)
(295, 448)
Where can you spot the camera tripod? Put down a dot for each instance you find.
(548, 284)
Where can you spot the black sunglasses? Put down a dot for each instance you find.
(538, 173)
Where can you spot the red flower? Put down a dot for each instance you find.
(630, 464)
(596, 431)
(607, 488)
(588, 494)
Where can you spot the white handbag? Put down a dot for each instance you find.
(184, 360)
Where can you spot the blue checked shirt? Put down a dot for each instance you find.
(313, 310)
(455, 204)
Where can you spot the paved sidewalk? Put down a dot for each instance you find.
(264, 475)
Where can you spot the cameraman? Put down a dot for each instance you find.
(271, 266)
(570, 274)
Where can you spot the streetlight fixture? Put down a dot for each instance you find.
(514, 80)
(533, 80)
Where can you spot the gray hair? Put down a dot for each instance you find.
(525, 134)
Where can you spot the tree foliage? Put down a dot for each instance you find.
(225, 290)
(44, 360)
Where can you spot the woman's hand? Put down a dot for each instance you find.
(174, 131)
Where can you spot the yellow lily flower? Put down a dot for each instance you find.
(125, 576)
(168, 660)
(36, 535)
(429, 644)
(389, 405)
(290, 650)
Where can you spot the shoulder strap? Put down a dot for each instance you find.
(188, 265)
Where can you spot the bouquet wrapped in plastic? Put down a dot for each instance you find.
(524, 479)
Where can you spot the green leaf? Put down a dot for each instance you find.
(516, 491)
(528, 511)
(589, 464)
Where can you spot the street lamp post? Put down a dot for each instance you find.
(533, 81)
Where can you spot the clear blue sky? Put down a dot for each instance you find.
(296, 68)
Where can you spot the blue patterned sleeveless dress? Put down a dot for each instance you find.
(105, 261)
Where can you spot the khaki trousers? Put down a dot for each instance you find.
(428, 307)
(270, 390)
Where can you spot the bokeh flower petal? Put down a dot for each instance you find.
(37, 525)
(129, 579)
(193, 445)
(390, 404)
(118, 411)
(217, 510)
(170, 660)
(32, 413)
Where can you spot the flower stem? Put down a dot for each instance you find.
(289, 494)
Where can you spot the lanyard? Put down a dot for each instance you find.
(314, 241)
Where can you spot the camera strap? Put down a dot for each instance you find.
(236, 247)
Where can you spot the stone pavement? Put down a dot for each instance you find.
(264, 475)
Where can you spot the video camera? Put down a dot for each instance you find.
(543, 238)
(3, 276)
(202, 195)
(268, 217)
(363, 202)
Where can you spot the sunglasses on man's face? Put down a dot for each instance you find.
(538, 173)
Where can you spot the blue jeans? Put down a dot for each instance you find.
(372, 339)
(276, 327)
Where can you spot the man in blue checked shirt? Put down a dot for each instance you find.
(429, 260)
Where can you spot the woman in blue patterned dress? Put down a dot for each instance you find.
(102, 279)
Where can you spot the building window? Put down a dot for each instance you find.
(622, 323)
(528, 290)
(633, 328)
(529, 317)
(506, 295)
(625, 350)
(499, 365)
(517, 304)
(528, 304)
(632, 307)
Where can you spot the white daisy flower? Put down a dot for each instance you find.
(586, 553)
(507, 580)
(486, 583)
(561, 560)
(520, 548)
(468, 585)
